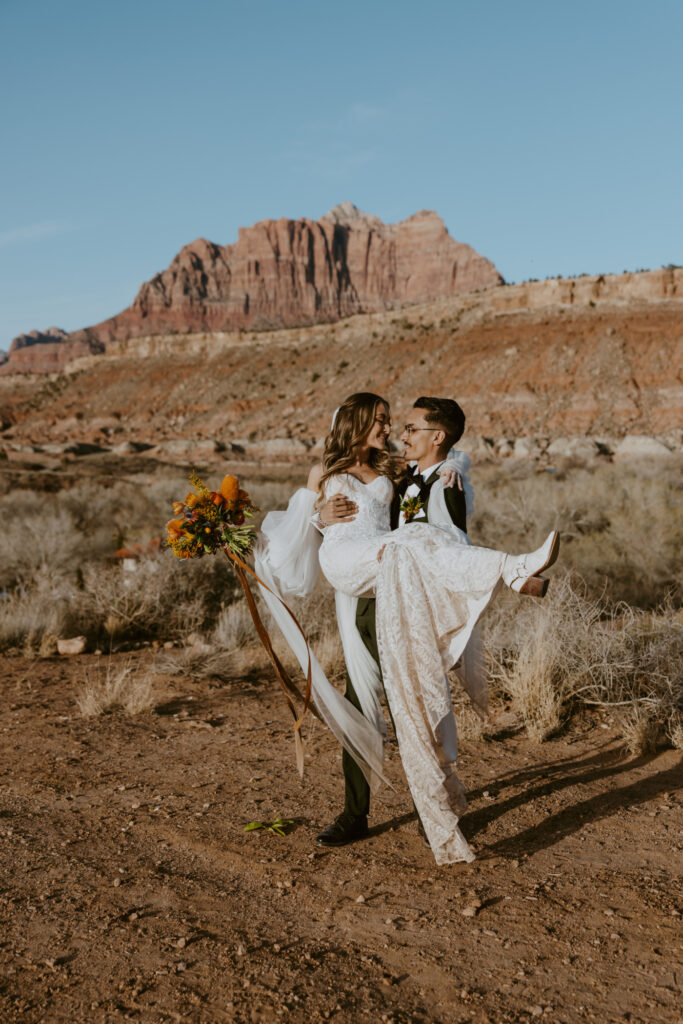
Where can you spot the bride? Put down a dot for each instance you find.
(431, 586)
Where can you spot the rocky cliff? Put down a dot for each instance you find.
(46, 351)
(285, 273)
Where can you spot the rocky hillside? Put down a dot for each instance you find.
(592, 357)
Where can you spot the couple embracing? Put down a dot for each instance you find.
(409, 591)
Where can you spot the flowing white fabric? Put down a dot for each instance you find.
(286, 559)
(431, 586)
(360, 664)
(471, 669)
(290, 545)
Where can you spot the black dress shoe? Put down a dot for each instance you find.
(346, 829)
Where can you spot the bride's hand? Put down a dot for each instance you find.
(451, 477)
(338, 509)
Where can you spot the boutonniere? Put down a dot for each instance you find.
(410, 507)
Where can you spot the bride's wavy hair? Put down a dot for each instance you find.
(352, 423)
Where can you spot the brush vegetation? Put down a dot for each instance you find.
(608, 634)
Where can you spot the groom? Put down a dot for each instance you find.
(432, 427)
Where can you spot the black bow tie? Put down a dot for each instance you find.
(414, 476)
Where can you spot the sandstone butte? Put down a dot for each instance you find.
(281, 273)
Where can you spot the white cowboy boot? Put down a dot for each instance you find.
(522, 572)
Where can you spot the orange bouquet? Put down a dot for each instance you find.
(208, 521)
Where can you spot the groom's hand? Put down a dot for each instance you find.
(339, 509)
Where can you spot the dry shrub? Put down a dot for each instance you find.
(546, 656)
(126, 688)
(203, 661)
(621, 525)
(161, 597)
(675, 731)
(641, 730)
(234, 628)
(471, 726)
(28, 616)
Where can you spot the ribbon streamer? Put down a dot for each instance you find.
(288, 687)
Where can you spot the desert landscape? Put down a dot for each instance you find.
(143, 729)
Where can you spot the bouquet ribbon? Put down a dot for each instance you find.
(243, 571)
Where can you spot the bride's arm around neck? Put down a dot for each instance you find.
(314, 477)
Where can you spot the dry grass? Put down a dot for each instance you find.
(641, 730)
(199, 661)
(622, 527)
(548, 656)
(471, 726)
(622, 536)
(234, 628)
(125, 688)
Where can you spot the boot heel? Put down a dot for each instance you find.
(535, 586)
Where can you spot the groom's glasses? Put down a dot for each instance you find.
(410, 429)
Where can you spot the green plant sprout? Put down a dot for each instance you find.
(280, 826)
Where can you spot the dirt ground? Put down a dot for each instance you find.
(129, 890)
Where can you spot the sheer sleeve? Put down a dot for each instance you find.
(289, 545)
(286, 560)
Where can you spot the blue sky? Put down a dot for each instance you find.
(547, 135)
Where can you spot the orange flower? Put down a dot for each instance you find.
(174, 528)
(230, 489)
(243, 495)
(178, 507)
(217, 498)
(191, 500)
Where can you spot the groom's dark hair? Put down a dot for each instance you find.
(443, 414)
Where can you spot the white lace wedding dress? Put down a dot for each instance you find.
(431, 587)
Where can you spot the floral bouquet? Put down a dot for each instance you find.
(210, 521)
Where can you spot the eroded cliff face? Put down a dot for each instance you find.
(602, 369)
(286, 273)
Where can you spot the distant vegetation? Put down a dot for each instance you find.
(606, 636)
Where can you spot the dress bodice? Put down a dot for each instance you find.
(374, 507)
